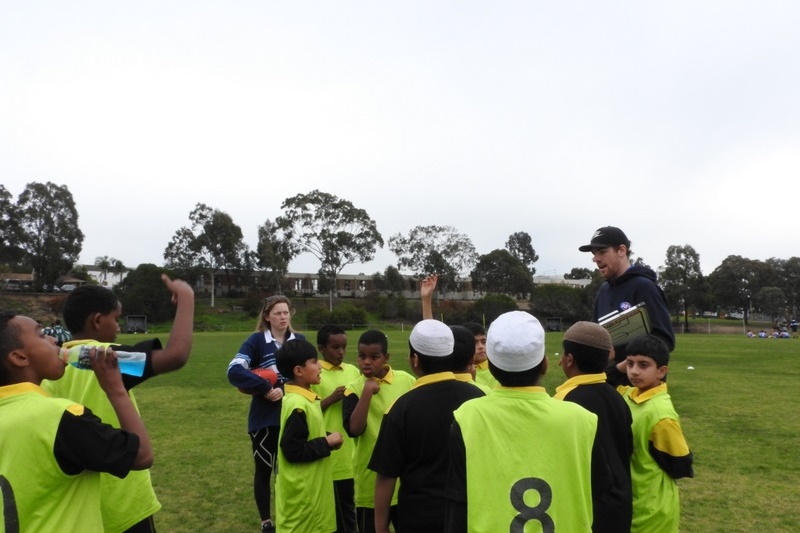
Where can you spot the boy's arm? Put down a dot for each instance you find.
(669, 449)
(384, 489)
(106, 368)
(426, 288)
(296, 446)
(358, 419)
(179, 345)
(332, 398)
(455, 511)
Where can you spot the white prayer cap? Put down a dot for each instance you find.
(431, 337)
(515, 342)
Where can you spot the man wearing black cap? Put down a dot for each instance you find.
(627, 285)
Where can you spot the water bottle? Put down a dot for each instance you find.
(130, 363)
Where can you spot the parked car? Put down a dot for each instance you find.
(68, 287)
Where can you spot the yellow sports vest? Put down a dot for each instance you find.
(46, 499)
(125, 501)
(332, 377)
(484, 376)
(304, 500)
(393, 384)
(528, 461)
(656, 503)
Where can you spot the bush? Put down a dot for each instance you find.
(492, 306)
(345, 315)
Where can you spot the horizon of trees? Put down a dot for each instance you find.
(39, 233)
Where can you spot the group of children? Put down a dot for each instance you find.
(469, 442)
(444, 452)
(74, 452)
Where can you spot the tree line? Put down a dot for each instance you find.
(40, 233)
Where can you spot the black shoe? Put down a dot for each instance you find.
(268, 527)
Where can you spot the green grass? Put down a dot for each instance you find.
(738, 408)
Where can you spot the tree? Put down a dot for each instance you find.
(391, 280)
(772, 301)
(521, 247)
(787, 278)
(10, 231)
(579, 273)
(213, 242)
(142, 292)
(330, 228)
(108, 264)
(682, 279)
(562, 301)
(736, 280)
(501, 272)
(435, 247)
(50, 236)
(273, 254)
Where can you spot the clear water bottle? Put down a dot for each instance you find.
(130, 363)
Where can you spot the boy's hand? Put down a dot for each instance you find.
(179, 288)
(372, 386)
(335, 440)
(336, 395)
(106, 368)
(428, 285)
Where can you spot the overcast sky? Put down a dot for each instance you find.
(677, 121)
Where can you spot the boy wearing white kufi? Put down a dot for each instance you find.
(540, 445)
(412, 443)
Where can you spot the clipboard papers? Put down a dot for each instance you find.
(627, 325)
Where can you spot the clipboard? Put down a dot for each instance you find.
(627, 325)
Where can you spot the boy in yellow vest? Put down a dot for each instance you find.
(365, 401)
(92, 313)
(542, 448)
(52, 449)
(304, 484)
(660, 452)
(335, 376)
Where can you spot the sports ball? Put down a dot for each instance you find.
(264, 373)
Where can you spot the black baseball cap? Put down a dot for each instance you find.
(605, 237)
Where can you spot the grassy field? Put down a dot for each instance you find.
(739, 413)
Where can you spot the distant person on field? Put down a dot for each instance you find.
(412, 443)
(335, 375)
(304, 501)
(660, 452)
(58, 331)
(627, 285)
(584, 357)
(257, 352)
(464, 347)
(365, 401)
(91, 313)
(520, 460)
(51, 449)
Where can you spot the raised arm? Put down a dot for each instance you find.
(426, 288)
(176, 352)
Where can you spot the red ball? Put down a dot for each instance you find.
(263, 373)
(268, 374)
